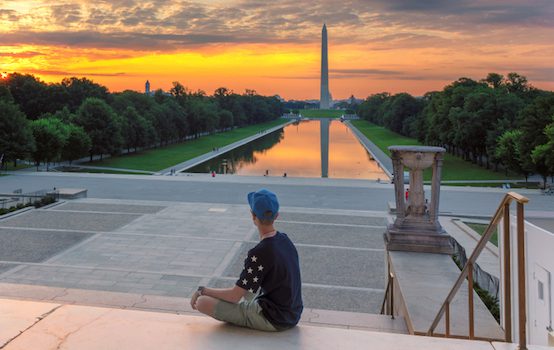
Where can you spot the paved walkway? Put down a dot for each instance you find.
(40, 326)
(207, 156)
(302, 192)
(166, 249)
(143, 172)
(381, 157)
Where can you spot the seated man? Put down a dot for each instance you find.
(267, 296)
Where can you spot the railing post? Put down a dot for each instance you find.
(521, 278)
(391, 291)
(447, 320)
(507, 275)
(470, 299)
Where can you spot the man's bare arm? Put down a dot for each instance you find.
(231, 295)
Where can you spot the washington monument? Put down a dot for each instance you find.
(324, 100)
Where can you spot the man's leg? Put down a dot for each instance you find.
(206, 305)
(246, 313)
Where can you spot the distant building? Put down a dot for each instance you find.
(147, 88)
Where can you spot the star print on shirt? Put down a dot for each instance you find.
(260, 268)
(250, 270)
(254, 258)
(255, 279)
(251, 290)
(244, 281)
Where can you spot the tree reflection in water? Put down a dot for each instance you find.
(245, 154)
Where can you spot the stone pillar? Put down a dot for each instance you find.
(398, 169)
(435, 188)
(415, 228)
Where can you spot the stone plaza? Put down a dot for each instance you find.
(145, 243)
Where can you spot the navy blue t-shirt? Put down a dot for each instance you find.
(272, 265)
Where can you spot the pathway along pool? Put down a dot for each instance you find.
(310, 148)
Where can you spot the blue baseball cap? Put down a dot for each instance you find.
(264, 204)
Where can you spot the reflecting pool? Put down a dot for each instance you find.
(310, 148)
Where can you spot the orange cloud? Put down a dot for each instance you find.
(389, 46)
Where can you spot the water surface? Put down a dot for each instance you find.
(297, 151)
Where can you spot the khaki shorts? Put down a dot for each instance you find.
(246, 313)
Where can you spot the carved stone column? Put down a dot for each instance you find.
(417, 226)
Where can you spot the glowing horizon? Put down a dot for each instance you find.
(274, 49)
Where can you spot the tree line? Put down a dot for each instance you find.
(495, 122)
(77, 117)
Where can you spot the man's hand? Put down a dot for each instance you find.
(193, 300)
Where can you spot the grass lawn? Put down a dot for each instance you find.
(162, 158)
(528, 185)
(103, 171)
(321, 113)
(480, 229)
(9, 166)
(454, 168)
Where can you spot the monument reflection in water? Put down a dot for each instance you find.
(297, 151)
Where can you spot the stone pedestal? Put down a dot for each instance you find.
(417, 227)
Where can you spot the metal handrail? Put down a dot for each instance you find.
(503, 211)
(389, 291)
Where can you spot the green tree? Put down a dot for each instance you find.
(372, 108)
(494, 80)
(135, 131)
(16, 138)
(102, 125)
(163, 122)
(543, 155)
(225, 119)
(509, 154)
(50, 136)
(77, 143)
(29, 93)
(401, 107)
(79, 89)
(532, 122)
(517, 83)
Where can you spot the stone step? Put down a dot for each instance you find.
(40, 326)
(354, 320)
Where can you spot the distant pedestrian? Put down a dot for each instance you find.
(407, 194)
(213, 173)
(266, 172)
(285, 175)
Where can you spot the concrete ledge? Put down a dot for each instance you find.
(72, 193)
(177, 305)
(423, 281)
(85, 327)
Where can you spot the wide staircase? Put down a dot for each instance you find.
(429, 304)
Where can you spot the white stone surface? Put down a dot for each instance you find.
(16, 316)
(85, 327)
(511, 346)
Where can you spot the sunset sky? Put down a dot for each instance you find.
(273, 47)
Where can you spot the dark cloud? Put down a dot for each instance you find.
(66, 14)
(459, 13)
(99, 17)
(164, 25)
(9, 15)
(138, 41)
